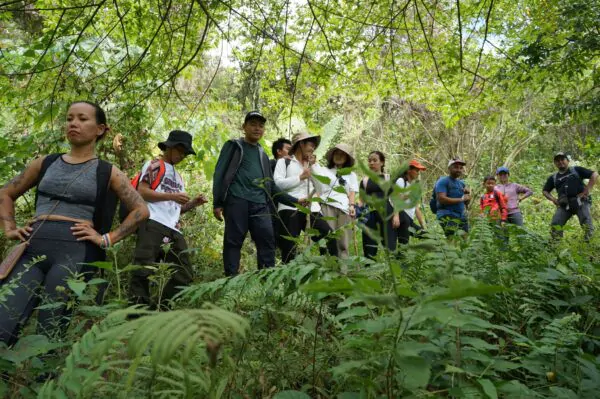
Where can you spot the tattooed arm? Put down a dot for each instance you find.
(9, 194)
(121, 185)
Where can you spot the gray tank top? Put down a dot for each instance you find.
(79, 200)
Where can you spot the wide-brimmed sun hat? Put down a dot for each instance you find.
(178, 137)
(302, 136)
(345, 148)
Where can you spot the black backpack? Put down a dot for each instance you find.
(433, 201)
(572, 186)
(106, 199)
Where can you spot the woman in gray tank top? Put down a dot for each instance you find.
(73, 196)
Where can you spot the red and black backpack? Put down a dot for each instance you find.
(135, 182)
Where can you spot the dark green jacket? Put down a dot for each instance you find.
(228, 164)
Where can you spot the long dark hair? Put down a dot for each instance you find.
(99, 113)
(381, 158)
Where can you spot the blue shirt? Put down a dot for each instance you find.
(453, 188)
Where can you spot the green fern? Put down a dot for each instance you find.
(164, 345)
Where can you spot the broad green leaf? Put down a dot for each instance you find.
(28, 347)
(77, 286)
(322, 179)
(353, 312)
(414, 372)
(458, 289)
(488, 388)
(291, 395)
(102, 265)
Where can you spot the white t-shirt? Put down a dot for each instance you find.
(410, 211)
(288, 180)
(327, 191)
(166, 212)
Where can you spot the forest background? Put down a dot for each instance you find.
(495, 82)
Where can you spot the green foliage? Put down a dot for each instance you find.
(495, 82)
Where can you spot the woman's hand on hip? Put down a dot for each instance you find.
(85, 232)
(19, 233)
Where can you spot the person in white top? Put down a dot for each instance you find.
(163, 189)
(296, 180)
(407, 216)
(337, 188)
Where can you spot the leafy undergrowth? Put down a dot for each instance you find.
(462, 320)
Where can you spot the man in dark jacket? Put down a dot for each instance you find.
(243, 192)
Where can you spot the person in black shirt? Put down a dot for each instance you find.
(573, 195)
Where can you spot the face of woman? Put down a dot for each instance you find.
(503, 177)
(413, 173)
(339, 158)
(308, 147)
(81, 124)
(375, 163)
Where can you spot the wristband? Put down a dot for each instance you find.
(105, 241)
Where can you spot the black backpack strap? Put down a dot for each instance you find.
(46, 162)
(106, 199)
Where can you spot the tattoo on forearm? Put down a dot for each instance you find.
(128, 195)
(16, 180)
(128, 227)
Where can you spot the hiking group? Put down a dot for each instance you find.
(274, 200)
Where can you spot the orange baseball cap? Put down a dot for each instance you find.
(416, 164)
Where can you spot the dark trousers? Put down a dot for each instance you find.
(451, 225)
(151, 237)
(562, 216)
(242, 216)
(403, 232)
(384, 229)
(515, 218)
(294, 223)
(29, 286)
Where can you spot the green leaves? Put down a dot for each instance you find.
(488, 388)
(458, 289)
(28, 347)
(291, 395)
(343, 285)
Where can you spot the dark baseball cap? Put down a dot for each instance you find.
(254, 115)
(456, 160)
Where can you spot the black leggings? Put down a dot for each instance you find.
(403, 232)
(382, 228)
(293, 223)
(28, 286)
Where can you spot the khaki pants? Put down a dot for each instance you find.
(342, 219)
